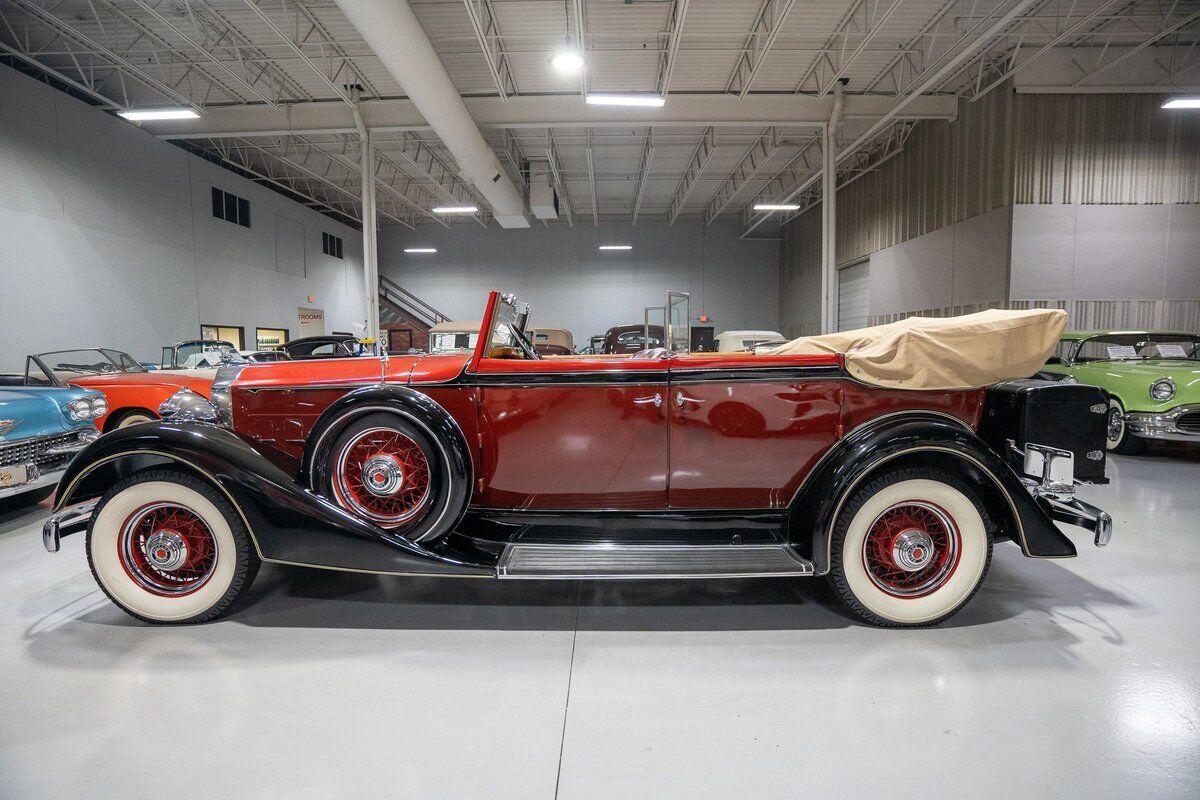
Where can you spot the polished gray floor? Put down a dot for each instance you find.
(1062, 679)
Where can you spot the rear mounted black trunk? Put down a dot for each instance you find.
(1069, 416)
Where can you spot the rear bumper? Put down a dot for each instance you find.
(1074, 511)
(65, 522)
(1166, 426)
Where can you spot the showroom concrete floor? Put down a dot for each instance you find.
(1062, 679)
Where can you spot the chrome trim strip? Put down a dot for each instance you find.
(40, 480)
(778, 560)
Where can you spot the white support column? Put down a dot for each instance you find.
(829, 216)
(370, 253)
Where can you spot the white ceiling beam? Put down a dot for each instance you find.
(643, 174)
(673, 34)
(329, 79)
(487, 31)
(758, 45)
(592, 180)
(864, 21)
(748, 167)
(1121, 59)
(691, 174)
(558, 111)
(560, 185)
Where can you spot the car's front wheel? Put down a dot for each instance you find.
(1119, 438)
(909, 548)
(167, 547)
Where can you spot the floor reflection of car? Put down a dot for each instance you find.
(132, 392)
(333, 345)
(738, 341)
(1152, 377)
(632, 339)
(41, 429)
(453, 337)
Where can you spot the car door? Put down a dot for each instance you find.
(744, 430)
(573, 433)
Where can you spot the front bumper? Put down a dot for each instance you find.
(37, 480)
(1180, 424)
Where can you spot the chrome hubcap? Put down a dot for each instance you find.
(166, 551)
(1115, 424)
(382, 475)
(913, 550)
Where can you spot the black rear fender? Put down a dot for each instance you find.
(927, 440)
(287, 523)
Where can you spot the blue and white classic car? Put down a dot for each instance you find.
(41, 429)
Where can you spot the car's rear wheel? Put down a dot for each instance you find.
(1119, 438)
(910, 548)
(394, 473)
(169, 548)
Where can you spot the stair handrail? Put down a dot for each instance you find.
(408, 301)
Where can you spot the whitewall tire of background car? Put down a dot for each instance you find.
(167, 547)
(134, 418)
(910, 548)
(1118, 438)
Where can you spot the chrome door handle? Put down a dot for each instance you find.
(656, 400)
(681, 398)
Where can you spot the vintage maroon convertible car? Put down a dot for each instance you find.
(500, 463)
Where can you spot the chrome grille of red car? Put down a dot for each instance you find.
(33, 451)
(1189, 422)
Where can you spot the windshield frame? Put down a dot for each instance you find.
(1150, 336)
(105, 352)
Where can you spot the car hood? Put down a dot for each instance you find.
(36, 411)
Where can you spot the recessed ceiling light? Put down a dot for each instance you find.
(159, 113)
(567, 61)
(616, 247)
(776, 207)
(1182, 102)
(456, 209)
(634, 99)
(420, 249)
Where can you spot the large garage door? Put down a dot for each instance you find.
(853, 297)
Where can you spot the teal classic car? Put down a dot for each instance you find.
(41, 430)
(1152, 376)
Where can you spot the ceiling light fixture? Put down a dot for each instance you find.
(159, 113)
(567, 61)
(632, 99)
(456, 209)
(420, 249)
(616, 247)
(776, 207)
(1182, 102)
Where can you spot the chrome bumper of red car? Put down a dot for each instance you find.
(65, 521)
(1074, 511)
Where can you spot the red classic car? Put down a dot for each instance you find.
(499, 463)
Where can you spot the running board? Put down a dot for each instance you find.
(539, 560)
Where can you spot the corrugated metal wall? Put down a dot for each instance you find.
(1179, 315)
(800, 276)
(947, 172)
(1104, 149)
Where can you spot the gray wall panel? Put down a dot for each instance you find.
(981, 254)
(571, 284)
(139, 261)
(1182, 273)
(1043, 251)
(1120, 252)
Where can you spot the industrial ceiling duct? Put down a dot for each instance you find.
(391, 30)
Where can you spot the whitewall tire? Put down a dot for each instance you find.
(134, 418)
(1118, 439)
(167, 547)
(910, 548)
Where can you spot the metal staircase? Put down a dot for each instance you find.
(398, 305)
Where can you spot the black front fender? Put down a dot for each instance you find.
(287, 523)
(926, 439)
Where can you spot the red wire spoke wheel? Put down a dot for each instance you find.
(167, 549)
(911, 549)
(383, 475)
